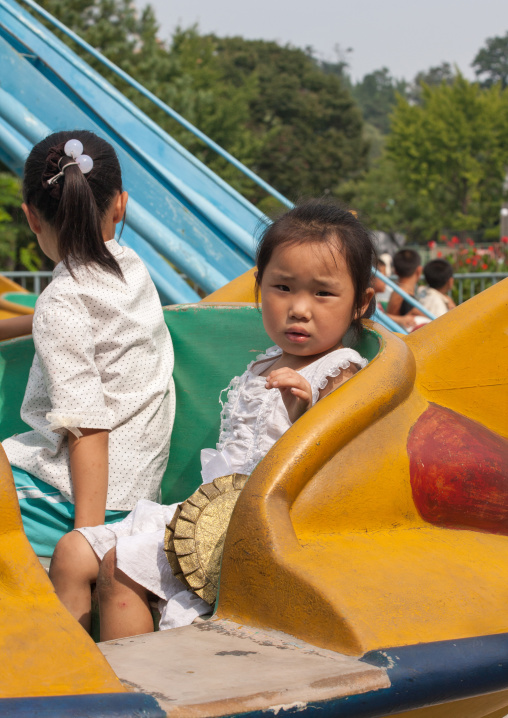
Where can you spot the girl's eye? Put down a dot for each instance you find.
(323, 294)
(282, 287)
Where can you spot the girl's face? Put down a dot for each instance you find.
(307, 297)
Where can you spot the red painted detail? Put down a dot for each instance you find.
(459, 472)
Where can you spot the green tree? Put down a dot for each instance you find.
(381, 199)
(115, 28)
(306, 121)
(272, 107)
(340, 67)
(18, 249)
(450, 155)
(491, 62)
(377, 95)
(432, 77)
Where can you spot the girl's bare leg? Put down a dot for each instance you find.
(123, 604)
(74, 567)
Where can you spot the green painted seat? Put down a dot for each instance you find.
(24, 299)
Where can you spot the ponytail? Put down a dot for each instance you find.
(78, 225)
(76, 203)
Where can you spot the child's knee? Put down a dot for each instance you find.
(73, 556)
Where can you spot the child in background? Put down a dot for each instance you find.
(407, 321)
(388, 262)
(99, 396)
(439, 276)
(408, 267)
(314, 273)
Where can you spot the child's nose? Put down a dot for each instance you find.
(299, 308)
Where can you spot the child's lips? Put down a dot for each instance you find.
(297, 335)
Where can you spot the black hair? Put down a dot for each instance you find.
(437, 272)
(323, 220)
(75, 205)
(406, 262)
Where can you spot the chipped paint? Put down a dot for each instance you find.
(390, 663)
(297, 706)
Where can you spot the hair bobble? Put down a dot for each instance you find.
(74, 149)
(54, 169)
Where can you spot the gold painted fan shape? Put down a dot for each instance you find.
(194, 539)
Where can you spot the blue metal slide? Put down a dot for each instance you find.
(182, 219)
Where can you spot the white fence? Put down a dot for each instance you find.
(32, 281)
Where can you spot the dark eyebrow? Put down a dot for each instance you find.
(281, 276)
(328, 283)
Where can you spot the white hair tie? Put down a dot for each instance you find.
(74, 149)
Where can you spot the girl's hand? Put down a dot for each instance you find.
(296, 391)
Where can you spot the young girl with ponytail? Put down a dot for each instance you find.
(100, 397)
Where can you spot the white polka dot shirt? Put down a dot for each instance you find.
(104, 360)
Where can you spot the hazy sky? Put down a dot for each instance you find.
(404, 35)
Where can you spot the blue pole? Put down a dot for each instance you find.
(414, 302)
(161, 105)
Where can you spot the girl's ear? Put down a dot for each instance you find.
(367, 298)
(119, 207)
(32, 218)
(256, 274)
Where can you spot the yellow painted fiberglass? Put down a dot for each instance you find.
(328, 540)
(45, 652)
(9, 293)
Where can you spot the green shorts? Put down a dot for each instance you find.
(46, 514)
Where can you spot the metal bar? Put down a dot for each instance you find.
(479, 275)
(15, 114)
(25, 273)
(163, 279)
(161, 105)
(414, 302)
(385, 320)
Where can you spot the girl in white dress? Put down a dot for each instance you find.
(99, 398)
(314, 273)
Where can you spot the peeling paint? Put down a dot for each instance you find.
(297, 707)
(262, 638)
(235, 653)
(390, 663)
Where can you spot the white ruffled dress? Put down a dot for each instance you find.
(252, 420)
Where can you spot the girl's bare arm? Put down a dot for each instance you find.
(16, 326)
(89, 474)
(335, 381)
